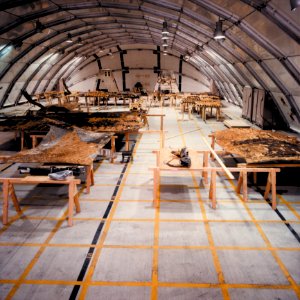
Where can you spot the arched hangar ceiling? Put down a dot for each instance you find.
(260, 50)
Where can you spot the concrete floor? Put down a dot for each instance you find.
(120, 247)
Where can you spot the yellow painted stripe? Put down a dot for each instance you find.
(92, 266)
(32, 263)
(291, 208)
(216, 260)
(271, 249)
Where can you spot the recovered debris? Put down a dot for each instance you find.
(258, 146)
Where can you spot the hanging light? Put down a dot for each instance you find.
(165, 28)
(294, 4)
(79, 41)
(69, 38)
(165, 36)
(110, 53)
(39, 27)
(165, 51)
(165, 43)
(219, 34)
(17, 45)
(101, 49)
(199, 49)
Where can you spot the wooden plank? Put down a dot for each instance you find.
(228, 173)
(239, 123)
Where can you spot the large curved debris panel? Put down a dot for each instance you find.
(258, 146)
(65, 146)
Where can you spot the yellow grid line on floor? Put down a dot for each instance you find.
(96, 256)
(213, 249)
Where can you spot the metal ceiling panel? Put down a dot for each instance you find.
(248, 75)
(6, 18)
(30, 8)
(284, 76)
(249, 43)
(237, 7)
(277, 38)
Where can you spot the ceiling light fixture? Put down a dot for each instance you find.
(294, 4)
(39, 27)
(110, 53)
(69, 38)
(165, 36)
(79, 41)
(165, 43)
(18, 45)
(219, 34)
(165, 28)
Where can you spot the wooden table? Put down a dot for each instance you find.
(164, 155)
(8, 189)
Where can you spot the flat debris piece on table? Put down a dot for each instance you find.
(99, 122)
(64, 146)
(258, 146)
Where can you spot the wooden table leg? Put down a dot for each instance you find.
(212, 189)
(76, 200)
(89, 178)
(156, 187)
(205, 164)
(268, 186)
(239, 183)
(273, 180)
(245, 186)
(113, 148)
(5, 202)
(71, 203)
(11, 192)
(127, 141)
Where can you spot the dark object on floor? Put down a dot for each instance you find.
(45, 170)
(128, 155)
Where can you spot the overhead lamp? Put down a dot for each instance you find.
(110, 53)
(165, 43)
(219, 34)
(165, 28)
(69, 38)
(39, 27)
(294, 4)
(17, 45)
(101, 49)
(187, 57)
(199, 49)
(79, 41)
(165, 36)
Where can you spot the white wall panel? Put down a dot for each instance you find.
(146, 77)
(190, 86)
(84, 86)
(136, 59)
(111, 62)
(90, 69)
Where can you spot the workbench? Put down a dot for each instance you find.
(8, 189)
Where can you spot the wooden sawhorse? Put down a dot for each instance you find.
(8, 189)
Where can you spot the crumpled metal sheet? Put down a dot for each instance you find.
(75, 146)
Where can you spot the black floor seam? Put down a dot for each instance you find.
(281, 216)
(96, 237)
